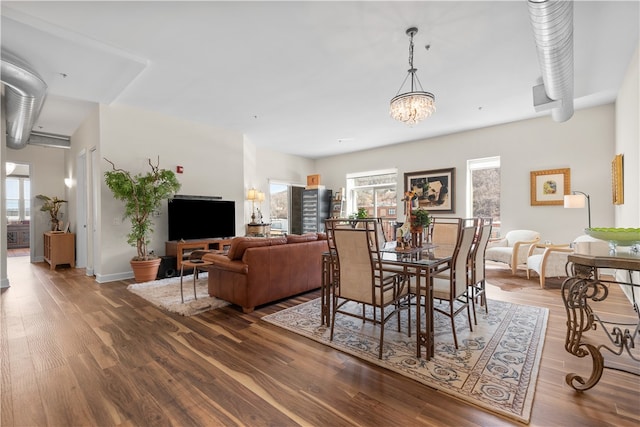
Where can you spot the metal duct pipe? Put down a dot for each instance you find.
(24, 94)
(552, 22)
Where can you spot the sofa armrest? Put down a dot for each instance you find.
(224, 263)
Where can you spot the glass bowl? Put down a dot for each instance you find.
(617, 236)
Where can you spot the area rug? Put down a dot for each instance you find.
(495, 367)
(165, 294)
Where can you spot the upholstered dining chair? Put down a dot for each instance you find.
(454, 288)
(477, 278)
(513, 248)
(552, 260)
(364, 279)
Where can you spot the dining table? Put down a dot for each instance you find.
(421, 263)
(581, 294)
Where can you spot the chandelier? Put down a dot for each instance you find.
(416, 105)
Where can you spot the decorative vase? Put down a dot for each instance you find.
(146, 270)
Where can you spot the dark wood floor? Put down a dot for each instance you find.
(78, 353)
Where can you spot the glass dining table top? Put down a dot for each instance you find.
(426, 254)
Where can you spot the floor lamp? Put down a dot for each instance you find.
(577, 201)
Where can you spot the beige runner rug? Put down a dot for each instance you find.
(495, 368)
(165, 294)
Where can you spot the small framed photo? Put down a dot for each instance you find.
(435, 189)
(548, 187)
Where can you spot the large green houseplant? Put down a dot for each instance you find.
(142, 194)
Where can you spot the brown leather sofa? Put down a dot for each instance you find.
(259, 270)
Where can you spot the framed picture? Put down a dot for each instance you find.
(617, 180)
(436, 189)
(548, 187)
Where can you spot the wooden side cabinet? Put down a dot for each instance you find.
(59, 248)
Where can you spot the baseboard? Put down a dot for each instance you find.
(106, 278)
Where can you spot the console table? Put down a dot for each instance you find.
(181, 249)
(580, 295)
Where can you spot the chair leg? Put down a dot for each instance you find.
(381, 331)
(473, 302)
(453, 325)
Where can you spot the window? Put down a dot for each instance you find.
(374, 191)
(18, 193)
(483, 189)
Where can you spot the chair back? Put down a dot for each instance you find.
(445, 231)
(514, 236)
(479, 249)
(460, 261)
(357, 249)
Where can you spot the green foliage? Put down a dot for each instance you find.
(142, 194)
(420, 217)
(362, 213)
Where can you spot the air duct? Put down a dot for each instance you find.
(24, 95)
(552, 22)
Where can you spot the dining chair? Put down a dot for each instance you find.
(477, 277)
(364, 279)
(454, 288)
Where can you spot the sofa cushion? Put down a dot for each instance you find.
(300, 238)
(241, 244)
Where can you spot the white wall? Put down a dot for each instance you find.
(4, 278)
(585, 144)
(212, 162)
(628, 143)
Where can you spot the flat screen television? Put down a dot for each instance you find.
(197, 217)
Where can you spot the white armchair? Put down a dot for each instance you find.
(551, 260)
(513, 248)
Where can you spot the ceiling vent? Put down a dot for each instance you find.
(24, 95)
(552, 22)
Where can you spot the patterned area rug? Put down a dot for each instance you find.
(495, 368)
(165, 294)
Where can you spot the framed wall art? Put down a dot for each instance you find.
(617, 180)
(435, 189)
(548, 187)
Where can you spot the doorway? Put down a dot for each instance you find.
(18, 203)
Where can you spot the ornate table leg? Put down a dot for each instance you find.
(580, 318)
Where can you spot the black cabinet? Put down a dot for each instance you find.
(315, 209)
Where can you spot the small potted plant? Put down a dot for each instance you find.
(142, 194)
(51, 205)
(420, 218)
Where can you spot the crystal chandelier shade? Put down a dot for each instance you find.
(416, 105)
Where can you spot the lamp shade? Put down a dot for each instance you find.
(252, 194)
(573, 201)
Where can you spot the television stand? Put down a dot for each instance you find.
(181, 249)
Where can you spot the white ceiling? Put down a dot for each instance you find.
(307, 78)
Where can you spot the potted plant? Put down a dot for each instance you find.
(51, 205)
(142, 194)
(419, 219)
